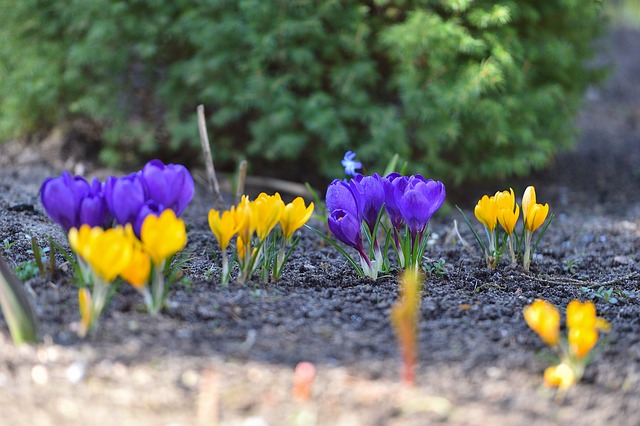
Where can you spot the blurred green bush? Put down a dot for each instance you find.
(464, 89)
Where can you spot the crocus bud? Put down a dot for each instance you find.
(93, 207)
(149, 207)
(125, 197)
(374, 198)
(62, 197)
(303, 377)
(346, 227)
(420, 200)
(170, 185)
(390, 182)
(345, 196)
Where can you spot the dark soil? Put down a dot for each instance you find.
(226, 356)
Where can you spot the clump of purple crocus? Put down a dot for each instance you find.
(416, 199)
(71, 202)
(355, 209)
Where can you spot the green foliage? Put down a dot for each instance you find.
(17, 307)
(601, 293)
(27, 270)
(464, 88)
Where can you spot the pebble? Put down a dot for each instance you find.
(40, 375)
(190, 378)
(75, 372)
(622, 260)
(255, 421)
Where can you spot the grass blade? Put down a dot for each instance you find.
(16, 307)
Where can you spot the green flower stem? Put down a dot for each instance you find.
(224, 277)
(512, 253)
(526, 260)
(99, 295)
(157, 288)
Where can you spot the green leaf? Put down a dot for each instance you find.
(16, 307)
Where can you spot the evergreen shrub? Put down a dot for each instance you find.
(463, 89)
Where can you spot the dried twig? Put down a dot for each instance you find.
(547, 279)
(242, 180)
(208, 159)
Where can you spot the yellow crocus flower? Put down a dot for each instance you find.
(582, 340)
(81, 239)
(266, 209)
(505, 199)
(163, 236)
(534, 214)
(603, 325)
(581, 315)
(486, 212)
(86, 310)
(544, 319)
(138, 270)
(244, 250)
(106, 252)
(528, 199)
(294, 215)
(242, 216)
(561, 376)
(111, 253)
(223, 226)
(508, 210)
(583, 326)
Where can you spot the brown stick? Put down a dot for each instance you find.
(242, 180)
(208, 159)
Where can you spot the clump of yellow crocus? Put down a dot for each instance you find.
(254, 222)
(107, 254)
(534, 216)
(162, 237)
(582, 335)
(501, 208)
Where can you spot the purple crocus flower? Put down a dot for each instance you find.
(349, 164)
(149, 207)
(170, 185)
(125, 197)
(62, 197)
(346, 227)
(374, 197)
(349, 197)
(389, 183)
(419, 201)
(93, 208)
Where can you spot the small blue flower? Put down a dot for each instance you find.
(349, 164)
